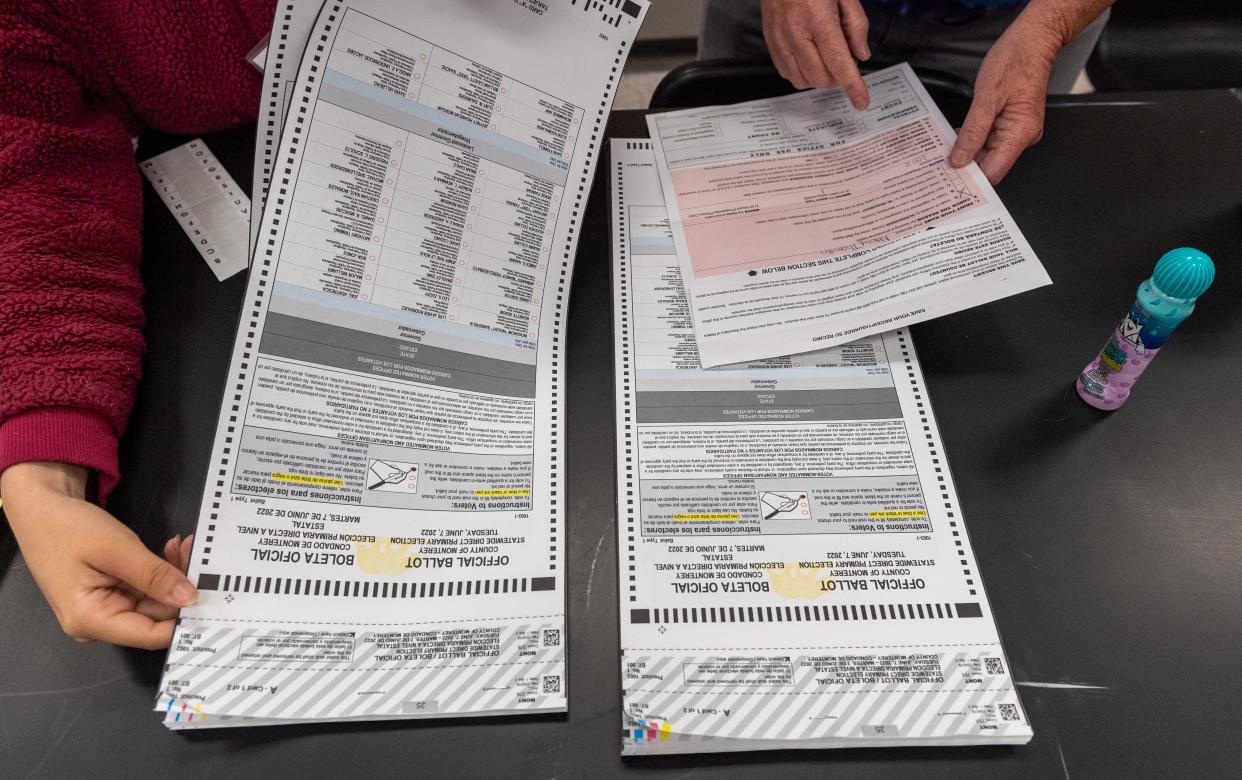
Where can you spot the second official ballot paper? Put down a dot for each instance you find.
(801, 223)
(795, 570)
(382, 531)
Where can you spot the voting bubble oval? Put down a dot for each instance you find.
(363, 297)
(368, 277)
(411, 95)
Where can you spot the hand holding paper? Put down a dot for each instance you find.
(98, 577)
(1007, 113)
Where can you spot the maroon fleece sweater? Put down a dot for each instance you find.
(78, 78)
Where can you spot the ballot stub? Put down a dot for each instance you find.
(795, 569)
(801, 223)
(382, 530)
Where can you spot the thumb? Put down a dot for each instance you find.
(974, 133)
(125, 557)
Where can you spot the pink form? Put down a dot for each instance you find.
(743, 215)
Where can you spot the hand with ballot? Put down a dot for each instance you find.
(1015, 52)
(79, 81)
(98, 577)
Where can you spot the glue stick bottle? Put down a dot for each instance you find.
(1164, 300)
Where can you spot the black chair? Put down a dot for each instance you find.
(1158, 44)
(715, 82)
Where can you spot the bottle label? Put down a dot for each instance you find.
(1129, 350)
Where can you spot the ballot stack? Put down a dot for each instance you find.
(795, 568)
(382, 528)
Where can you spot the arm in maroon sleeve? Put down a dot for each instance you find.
(70, 242)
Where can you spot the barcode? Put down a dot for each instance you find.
(551, 683)
(993, 666)
(1009, 712)
(551, 637)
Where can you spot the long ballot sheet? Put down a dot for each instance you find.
(801, 223)
(382, 530)
(795, 570)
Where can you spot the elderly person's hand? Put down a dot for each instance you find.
(817, 43)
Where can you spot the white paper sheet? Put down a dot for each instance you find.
(801, 223)
(382, 530)
(795, 570)
(206, 202)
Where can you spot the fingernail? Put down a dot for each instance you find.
(177, 540)
(957, 159)
(185, 594)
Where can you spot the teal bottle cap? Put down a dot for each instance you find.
(1184, 273)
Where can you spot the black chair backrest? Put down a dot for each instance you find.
(1158, 44)
(717, 82)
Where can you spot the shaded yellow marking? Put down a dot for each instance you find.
(382, 556)
(304, 479)
(701, 517)
(900, 513)
(504, 492)
(796, 581)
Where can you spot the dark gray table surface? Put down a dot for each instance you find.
(1110, 544)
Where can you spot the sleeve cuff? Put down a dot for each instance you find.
(62, 434)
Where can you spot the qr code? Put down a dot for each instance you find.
(1007, 711)
(993, 666)
(551, 637)
(551, 683)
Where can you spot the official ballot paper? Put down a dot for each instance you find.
(795, 570)
(801, 223)
(382, 530)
